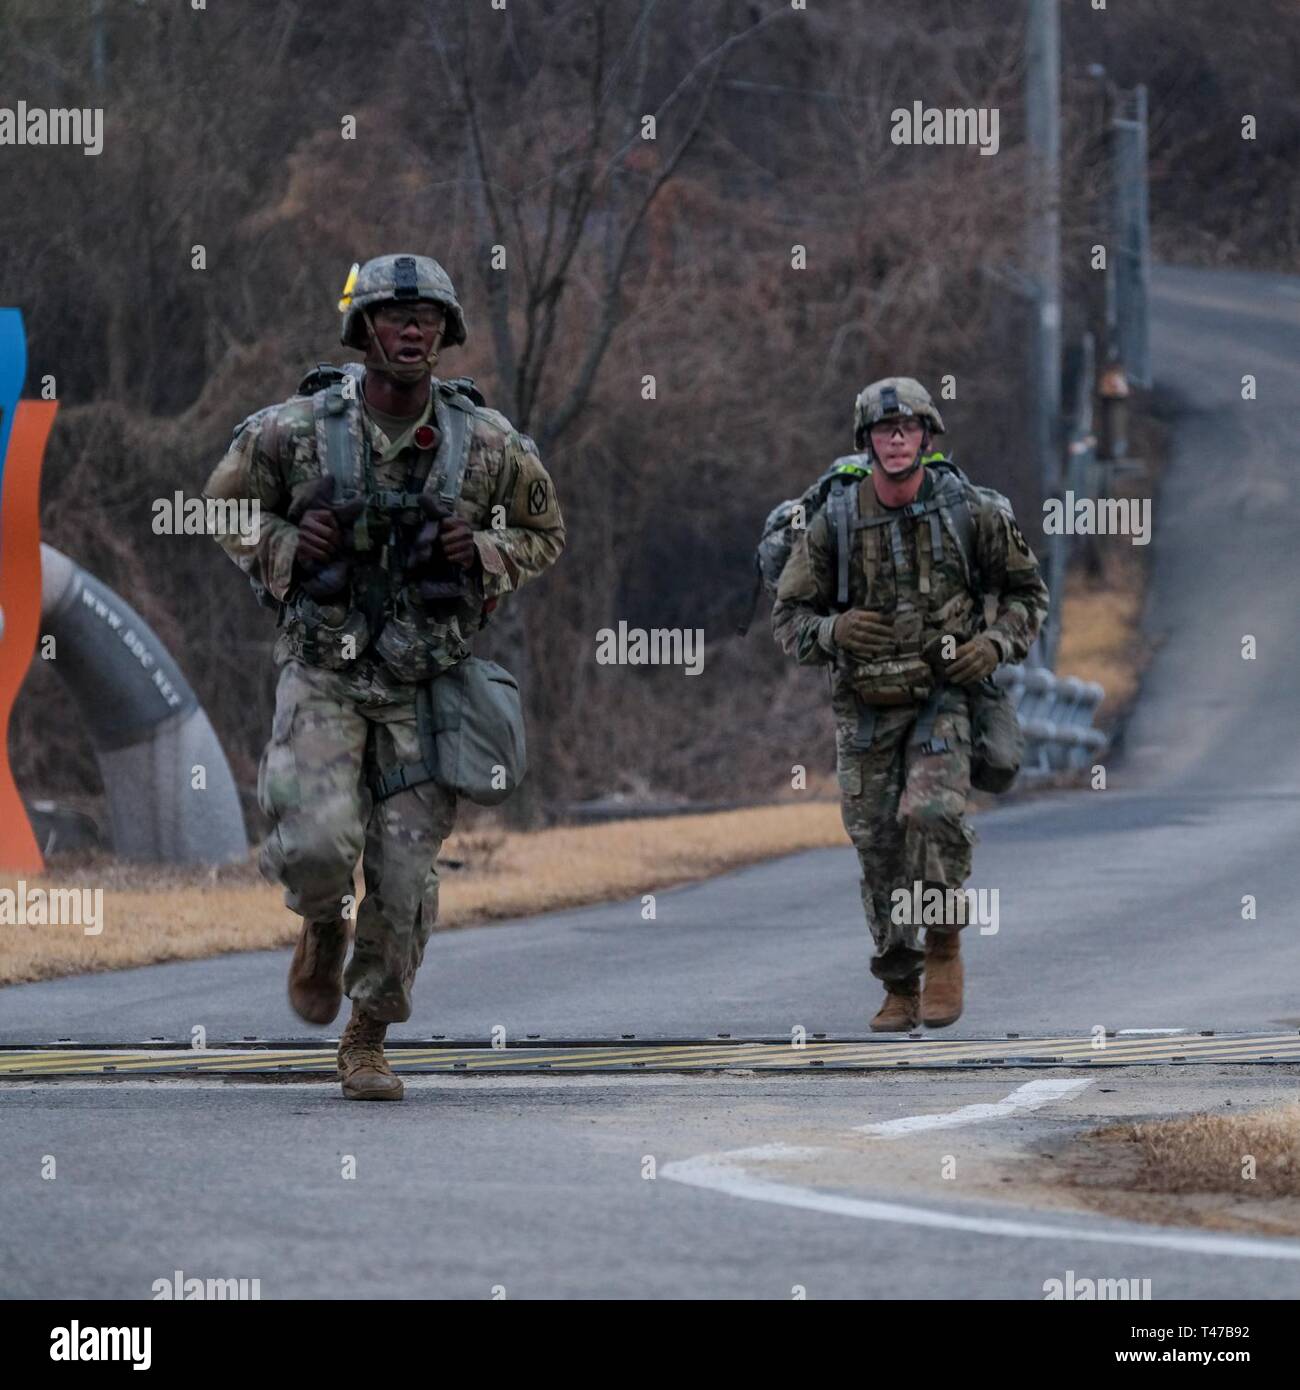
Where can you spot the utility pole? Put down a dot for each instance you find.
(1043, 121)
(98, 44)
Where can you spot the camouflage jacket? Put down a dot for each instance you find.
(507, 497)
(895, 568)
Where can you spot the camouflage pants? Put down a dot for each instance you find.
(329, 731)
(904, 810)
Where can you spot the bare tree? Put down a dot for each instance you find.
(594, 196)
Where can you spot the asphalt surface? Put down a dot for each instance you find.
(1089, 933)
(1119, 908)
(543, 1190)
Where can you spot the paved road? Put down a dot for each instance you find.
(1225, 558)
(539, 1187)
(1087, 934)
(1120, 908)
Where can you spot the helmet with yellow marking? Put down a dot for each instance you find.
(394, 279)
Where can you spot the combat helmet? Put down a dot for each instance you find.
(391, 279)
(889, 398)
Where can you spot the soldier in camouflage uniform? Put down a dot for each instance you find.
(889, 593)
(377, 590)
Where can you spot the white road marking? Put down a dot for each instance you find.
(718, 1173)
(725, 1172)
(1031, 1096)
(1148, 1032)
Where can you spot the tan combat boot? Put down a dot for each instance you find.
(316, 971)
(941, 994)
(363, 1069)
(900, 1012)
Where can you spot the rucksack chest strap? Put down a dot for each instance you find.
(391, 500)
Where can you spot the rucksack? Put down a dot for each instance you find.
(780, 531)
(837, 491)
(996, 736)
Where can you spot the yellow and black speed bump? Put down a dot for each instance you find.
(295, 1059)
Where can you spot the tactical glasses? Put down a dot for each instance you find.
(908, 428)
(399, 315)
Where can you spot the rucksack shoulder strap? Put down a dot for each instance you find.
(337, 430)
(839, 486)
(458, 428)
(958, 503)
(841, 506)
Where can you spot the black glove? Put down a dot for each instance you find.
(324, 538)
(443, 549)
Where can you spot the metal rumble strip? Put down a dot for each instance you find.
(293, 1058)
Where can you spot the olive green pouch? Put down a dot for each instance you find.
(478, 730)
(997, 740)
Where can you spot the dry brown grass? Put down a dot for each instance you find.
(1209, 1153)
(1100, 631)
(153, 915)
(1101, 622)
(1188, 1171)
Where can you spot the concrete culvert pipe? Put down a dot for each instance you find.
(148, 730)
